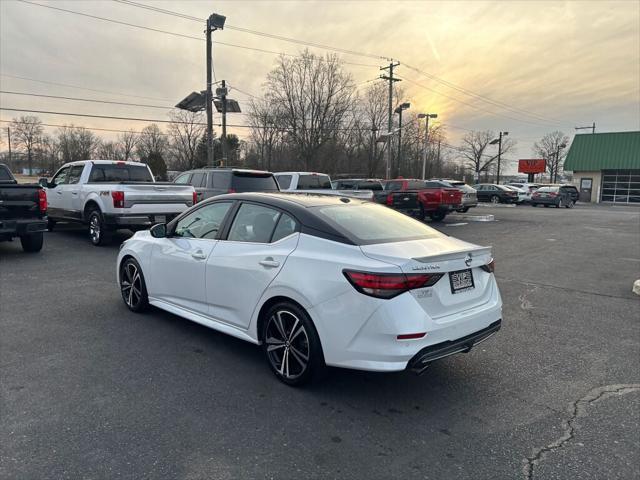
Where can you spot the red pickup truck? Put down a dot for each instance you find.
(423, 197)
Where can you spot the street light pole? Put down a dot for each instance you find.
(426, 116)
(214, 22)
(399, 110)
(500, 155)
(391, 79)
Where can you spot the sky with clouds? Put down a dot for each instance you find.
(525, 67)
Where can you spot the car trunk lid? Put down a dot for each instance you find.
(440, 256)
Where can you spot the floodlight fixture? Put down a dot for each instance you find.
(232, 105)
(194, 102)
(216, 22)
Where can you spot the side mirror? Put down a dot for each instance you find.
(43, 182)
(159, 230)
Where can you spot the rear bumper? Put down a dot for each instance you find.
(435, 352)
(15, 228)
(545, 201)
(137, 220)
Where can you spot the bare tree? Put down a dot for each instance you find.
(108, 150)
(27, 130)
(127, 142)
(314, 94)
(186, 130)
(551, 148)
(473, 149)
(76, 143)
(151, 142)
(265, 121)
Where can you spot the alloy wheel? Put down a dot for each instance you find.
(94, 229)
(131, 285)
(495, 199)
(287, 344)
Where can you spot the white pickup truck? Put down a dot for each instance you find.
(311, 182)
(107, 195)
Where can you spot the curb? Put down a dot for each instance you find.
(476, 218)
(496, 205)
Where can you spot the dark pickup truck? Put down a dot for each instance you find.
(23, 212)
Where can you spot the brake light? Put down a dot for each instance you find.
(118, 199)
(231, 190)
(390, 199)
(389, 285)
(489, 267)
(552, 194)
(411, 336)
(195, 197)
(42, 201)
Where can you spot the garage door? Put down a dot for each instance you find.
(620, 186)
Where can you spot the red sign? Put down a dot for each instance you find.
(536, 165)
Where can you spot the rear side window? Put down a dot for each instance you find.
(370, 223)
(119, 173)
(285, 227)
(253, 223)
(74, 174)
(254, 182)
(197, 180)
(4, 174)
(314, 182)
(284, 181)
(221, 180)
(415, 185)
(393, 186)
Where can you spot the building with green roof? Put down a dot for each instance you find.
(606, 166)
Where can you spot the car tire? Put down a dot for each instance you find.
(464, 210)
(546, 205)
(571, 204)
(421, 213)
(98, 233)
(133, 288)
(559, 204)
(51, 224)
(495, 199)
(534, 204)
(288, 336)
(437, 216)
(32, 242)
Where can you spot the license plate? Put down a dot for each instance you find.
(461, 281)
(160, 218)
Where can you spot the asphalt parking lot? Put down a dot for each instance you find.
(91, 390)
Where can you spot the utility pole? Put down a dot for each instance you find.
(426, 116)
(9, 139)
(500, 155)
(223, 99)
(209, 98)
(390, 121)
(438, 162)
(590, 127)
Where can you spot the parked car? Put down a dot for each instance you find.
(210, 182)
(522, 195)
(23, 212)
(311, 182)
(489, 192)
(107, 195)
(469, 194)
(372, 184)
(387, 292)
(431, 197)
(528, 188)
(556, 195)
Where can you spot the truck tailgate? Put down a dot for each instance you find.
(19, 201)
(157, 194)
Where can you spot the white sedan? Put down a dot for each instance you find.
(316, 280)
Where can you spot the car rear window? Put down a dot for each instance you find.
(369, 223)
(393, 186)
(254, 182)
(314, 182)
(377, 186)
(119, 173)
(4, 174)
(547, 189)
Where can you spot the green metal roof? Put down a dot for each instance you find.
(604, 151)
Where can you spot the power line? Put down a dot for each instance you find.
(176, 34)
(86, 100)
(79, 87)
(86, 128)
(255, 32)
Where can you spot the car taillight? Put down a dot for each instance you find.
(489, 267)
(390, 199)
(231, 190)
(118, 199)
(42, 201)
(195, 197)
(552, 194)
(389, 285)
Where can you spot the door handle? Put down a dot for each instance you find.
(198, 255)
(74, 193)
(59, 192)
(269, 262)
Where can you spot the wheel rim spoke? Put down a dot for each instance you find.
(300, 357)
(280, 325)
